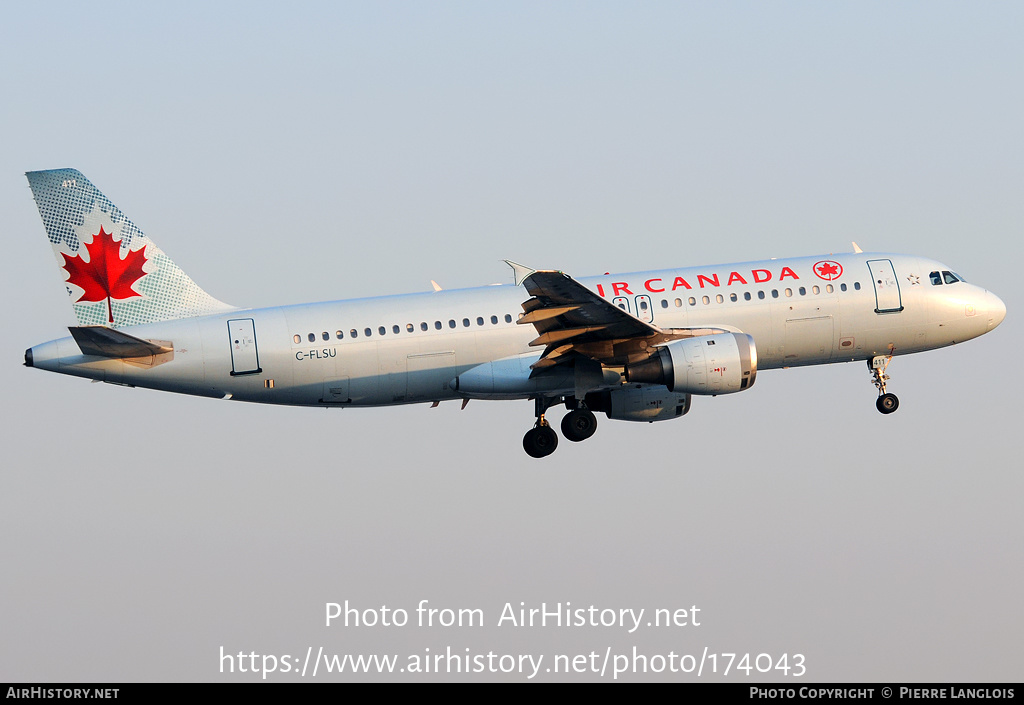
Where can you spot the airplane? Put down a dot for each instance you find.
(635, 346)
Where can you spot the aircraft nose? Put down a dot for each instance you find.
(996, 310)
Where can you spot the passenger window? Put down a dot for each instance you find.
(382, 330)
(789, 292)
(409, 328)
(856, 285)
(746, 296)
(705, 300)
(494, 320)
(325, 335)
(354, 333)
(692, 301)
(664, 303)
(465, 322)
(396, 330)
(720, 299)
(760, 294)
(829, 288)
(423, 325)
(367, 332)
(842, 287)
(775, 293)
(508, 318)
(733, 297)
(312, 337)
(814, 289)
(803, 291)
(679, 303)
(437, 325)
(451, 322)
(297, 338)
(479, 320)
(339, 334)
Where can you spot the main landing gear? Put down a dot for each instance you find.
(579, 424)
(887, 402)
(541, 440)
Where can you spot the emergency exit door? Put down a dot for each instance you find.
(245, 358)
(644, 309)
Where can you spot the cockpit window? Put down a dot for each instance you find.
(958, 277)
(949, 278)
(936, 278)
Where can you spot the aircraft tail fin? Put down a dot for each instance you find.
(115, 275)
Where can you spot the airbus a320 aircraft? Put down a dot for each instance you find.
(635, 346)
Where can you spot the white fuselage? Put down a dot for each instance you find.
(408, 348)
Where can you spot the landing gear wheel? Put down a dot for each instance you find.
(540, 441)
(887, 403)
(579, 425)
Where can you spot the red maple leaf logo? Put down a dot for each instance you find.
(828, 270)
(105, 275)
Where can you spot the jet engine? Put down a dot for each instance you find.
(709, 364)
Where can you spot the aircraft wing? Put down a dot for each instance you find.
(572, 320)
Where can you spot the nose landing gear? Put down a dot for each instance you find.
(886, 402)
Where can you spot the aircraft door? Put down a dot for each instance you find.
(810, 339)
(887, 288)
(644, 310)
(622, 302)
(245, 358)
(429, 373)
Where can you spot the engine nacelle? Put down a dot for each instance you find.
(639, 403)
(709, 364)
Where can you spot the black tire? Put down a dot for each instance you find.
(540, 441)
(579, 425)
(887, 403)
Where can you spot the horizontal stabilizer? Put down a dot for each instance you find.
(108, 342)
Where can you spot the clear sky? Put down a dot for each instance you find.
(288, 153)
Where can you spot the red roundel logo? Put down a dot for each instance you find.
(828, 270)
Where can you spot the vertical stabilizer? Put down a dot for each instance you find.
(115, 275)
